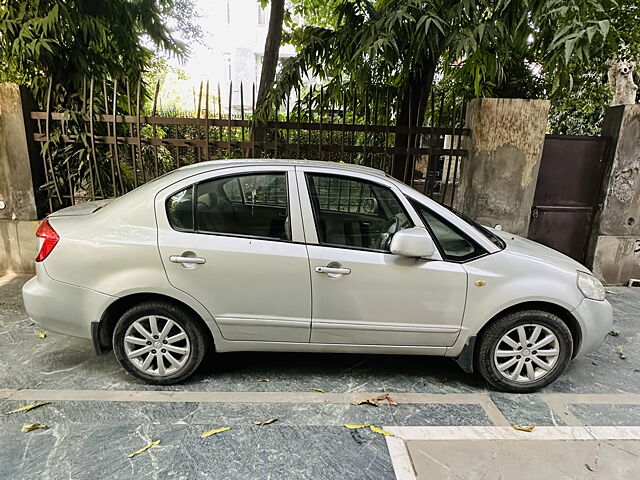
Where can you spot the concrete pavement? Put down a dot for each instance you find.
(447, 424)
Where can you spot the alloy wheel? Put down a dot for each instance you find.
(157, 345)
(526, 353)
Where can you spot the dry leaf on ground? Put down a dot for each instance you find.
(354, 426)
(144, 449)
(527, 428)
(374, 401)
(373, 428)
(315, 389)
(621, 353)
(26, 408)
(381, 431)
(214, 431)
(42, 335)
(28, 427)
(265, 422)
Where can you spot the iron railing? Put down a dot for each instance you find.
(106, 148)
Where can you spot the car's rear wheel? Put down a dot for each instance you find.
(159, 342)
(524, 351)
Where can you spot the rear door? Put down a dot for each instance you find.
(362, 293)
(233, 240)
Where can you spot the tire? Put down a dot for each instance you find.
(495, 351)
(185, 342)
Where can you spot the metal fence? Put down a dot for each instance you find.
(108, 145)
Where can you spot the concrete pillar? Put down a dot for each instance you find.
(19, 171)
(499, 175)
(614, 247)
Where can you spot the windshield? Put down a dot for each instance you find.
(481, 228)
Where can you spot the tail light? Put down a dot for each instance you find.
(50, 239)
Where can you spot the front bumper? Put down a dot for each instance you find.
(596, 319)
(61, 307)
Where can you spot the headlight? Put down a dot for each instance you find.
(590, 286)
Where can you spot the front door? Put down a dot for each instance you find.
(233, 240)
(363, 294)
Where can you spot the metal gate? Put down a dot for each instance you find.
(566, 193)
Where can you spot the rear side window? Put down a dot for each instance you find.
(247, 205)
(454, 245)
(180, 209)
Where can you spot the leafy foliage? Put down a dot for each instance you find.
(68, 40)
(494, 47)
(581, 110)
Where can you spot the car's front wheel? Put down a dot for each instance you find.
(524, 351)
(159, 342)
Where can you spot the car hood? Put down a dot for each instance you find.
(528, 248)
(81, 209)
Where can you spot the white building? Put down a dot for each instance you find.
(234, 34)
(236, 31)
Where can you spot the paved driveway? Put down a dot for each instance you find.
(447, 424)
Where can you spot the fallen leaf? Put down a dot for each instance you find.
(264, 380)
(354, 426)
(26, 408)
(621, 353)
(319, 390)
(42, 335)
(613, 333)
(144, 449)
(214, 431)
(528, 428)
(373, 428)
(381, 431)
(28, 427)
(368, 401)
(389, 399)
(374, 401)
(589, 467)
(265, 422)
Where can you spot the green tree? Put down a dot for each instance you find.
(68, 40)
(403, 43)
(580, 111)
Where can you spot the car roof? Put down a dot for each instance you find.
(217, 164)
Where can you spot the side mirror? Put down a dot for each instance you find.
(412, 242)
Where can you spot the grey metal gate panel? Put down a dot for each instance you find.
(566, 193)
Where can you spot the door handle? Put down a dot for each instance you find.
(187, 260)
(333, 272)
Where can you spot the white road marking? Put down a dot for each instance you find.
(400, 459)
(403, 465)
(296, 397)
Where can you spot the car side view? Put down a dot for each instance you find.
(301, 256)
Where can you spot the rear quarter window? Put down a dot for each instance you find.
(180, 209)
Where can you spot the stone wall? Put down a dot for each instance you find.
(614, 250)
(19, 172)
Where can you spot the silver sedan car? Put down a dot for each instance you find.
(299, 256)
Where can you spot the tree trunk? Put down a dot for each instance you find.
(269, 61)
(412, 109)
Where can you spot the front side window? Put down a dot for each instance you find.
(254, 205)
(454, 244)
(355, 213)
